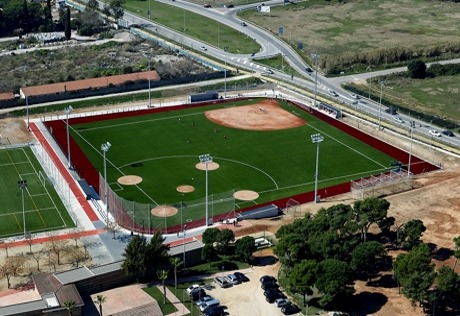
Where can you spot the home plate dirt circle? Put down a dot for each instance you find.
(246, 195)
(211, 166)
(129, 180)
(164, 211)
(185, 189)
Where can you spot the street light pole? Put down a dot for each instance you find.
(105, 148)
(150, 95)
(27, 109)
(149, 8)
(315, 58)
(206, 159)
(412, 125)
(316, 139)
(380, 103)
(23, 185)
(67, 111)
(225, 73)
(183, 241)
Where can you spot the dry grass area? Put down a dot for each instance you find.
(336, 28)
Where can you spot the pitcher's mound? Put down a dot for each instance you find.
(164, 211)
(211, 166)
(185, 189)
(245, 195)
(129, 180)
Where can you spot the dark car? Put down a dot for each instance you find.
(230, 6)
(308, 69)
(290, 309)
(270, 291)
(195, 295)
(273, 296)
(243, 24)
(267, 279)
(448, 133)
(214, 311)
(241, 277)
(269, 285)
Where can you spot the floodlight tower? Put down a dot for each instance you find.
(380, 103)
(105, 148)
(67, 112)
(316, 139)
(206, 159)
(23, 185)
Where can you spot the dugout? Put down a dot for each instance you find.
(203, 97)
(330, 110)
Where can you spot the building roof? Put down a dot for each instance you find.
(93, 83)
(6, 96)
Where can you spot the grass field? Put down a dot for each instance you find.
(163, 149)
(44, 210)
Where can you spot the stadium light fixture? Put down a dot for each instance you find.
(316, 139)
(67, 112)
(315, 58)
(23, 185)
(105, 148)
(206, 159)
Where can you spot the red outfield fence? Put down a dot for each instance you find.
(87, 171)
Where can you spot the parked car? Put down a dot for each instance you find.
(273, 296)
(214, 311)
(241, 276)
(267, 278)
(448, 133)
(268, 70)
(192, 287)
(270, 291)
(203, 300)
(398, 119)
(197, 294)
(209, 304)
(290, 309)
(222, 282)
(281, 302)
(231, 6)
(232, 279)
(269, 285)
(435, 133)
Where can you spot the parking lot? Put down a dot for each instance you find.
(247, 298)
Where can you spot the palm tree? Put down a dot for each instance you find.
(70, 305)
(162, 276)
(176, 262)
(100, 299)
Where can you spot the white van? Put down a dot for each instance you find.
(209, 304)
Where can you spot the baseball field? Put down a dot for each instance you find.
(261, 146)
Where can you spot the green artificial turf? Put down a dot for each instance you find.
(43, 208)
(164, 148)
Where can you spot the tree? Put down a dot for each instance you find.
(76, 256)
(162, 276)
(303, 277)
(12, 267)
(225, 237)
(135, 256)
(76, 234)
(411, 232)
(67, 29)
(112, 227)
(70, 305)
(56, 245)
(370, 211)
(157, 253)
(210, 236)
(416, 69)
(364, 257)
(51, 261)
(245, 247)
(456, 250)
(92, 5)
(333, 278)
(100, 299)
(208, 253)
(29, 240)
(37, 256)
(114, 9)
(176, 262)
(414, 271)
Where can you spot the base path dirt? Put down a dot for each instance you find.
(263, 116)
(129, 180)
(164, 211)
(246, 195)
(211, 166)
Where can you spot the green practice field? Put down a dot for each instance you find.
(163, 149)
(44, 210)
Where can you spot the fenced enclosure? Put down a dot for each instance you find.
(381, 185)
(138, 217)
